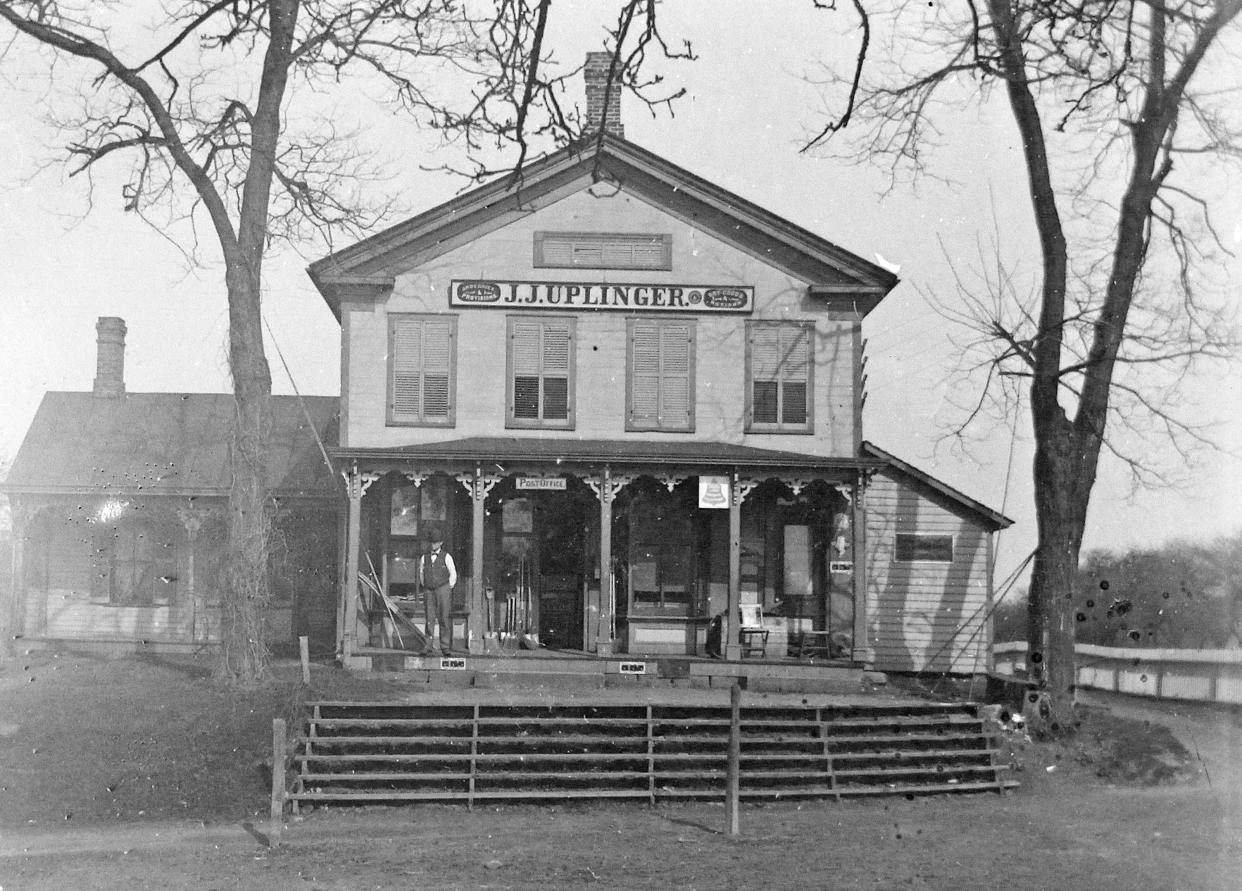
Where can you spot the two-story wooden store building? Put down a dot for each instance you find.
(631, 402)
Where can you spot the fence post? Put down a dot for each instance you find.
(304, 647)
(278, 782)
(735, 755)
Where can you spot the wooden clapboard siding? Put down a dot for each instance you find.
(924, 616)
(600, 348)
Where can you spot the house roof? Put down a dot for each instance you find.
(165, 444)
(514, 449)
(368, 268)
(992, 518)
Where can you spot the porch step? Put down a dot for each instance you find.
(368, 752)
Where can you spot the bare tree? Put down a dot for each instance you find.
(199, 98)
(1102, 93)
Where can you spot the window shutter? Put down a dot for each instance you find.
(556, 354)
(645, 374)
(407, 367)
(675, 396)
(437, 352)
(796, 348)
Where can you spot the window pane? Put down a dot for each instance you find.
(525, 396)
(436, 396)
(765, 402)
(929, 548)
(793, 405)
(555, 398)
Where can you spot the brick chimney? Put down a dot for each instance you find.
(110, 357)
(596, 75)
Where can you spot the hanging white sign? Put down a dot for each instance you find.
(633, 297)
(545, 483)
(714, 492)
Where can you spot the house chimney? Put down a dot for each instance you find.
(110, 357)
(598, 94)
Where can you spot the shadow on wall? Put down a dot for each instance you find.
(931, 615)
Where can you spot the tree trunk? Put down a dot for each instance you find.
(1061, 498)
(244, 654)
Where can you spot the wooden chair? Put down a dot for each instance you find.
(751, 634)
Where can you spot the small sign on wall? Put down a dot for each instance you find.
(542, 483)
(714, 492)
(633, 668)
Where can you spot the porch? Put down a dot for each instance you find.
(561, 671)
(601, 548)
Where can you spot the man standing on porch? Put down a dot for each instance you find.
(437, 576)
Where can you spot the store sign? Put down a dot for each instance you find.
(641, 297)
(542, 483)
(714, 492)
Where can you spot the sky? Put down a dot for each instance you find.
(69, 257)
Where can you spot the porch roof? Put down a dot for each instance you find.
(516, 449)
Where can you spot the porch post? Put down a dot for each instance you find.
(607, 591)
(474, 622)
(861, 651)
(729, 634)
(356, 485)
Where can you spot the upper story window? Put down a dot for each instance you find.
(540, 372)
(912, 548)
(660, 374)
(422, 357)
(603, 250)
(779, 377)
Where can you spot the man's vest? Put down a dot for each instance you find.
(435, 570)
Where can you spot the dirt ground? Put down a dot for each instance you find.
(141, 773)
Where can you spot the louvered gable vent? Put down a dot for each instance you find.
(586, 250)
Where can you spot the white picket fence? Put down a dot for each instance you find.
(1203, 675)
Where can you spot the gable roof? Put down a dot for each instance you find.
(990, 517)
(165, 444)
(367, 268)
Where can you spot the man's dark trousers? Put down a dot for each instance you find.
(440, 607)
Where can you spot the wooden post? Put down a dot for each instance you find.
(861, 651)
(607, 594)
(278, 782)
(735, 756)
(730, 636)
(349, 596)
(475, 626)
(304, 648)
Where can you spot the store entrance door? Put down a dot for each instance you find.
(543, 560)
